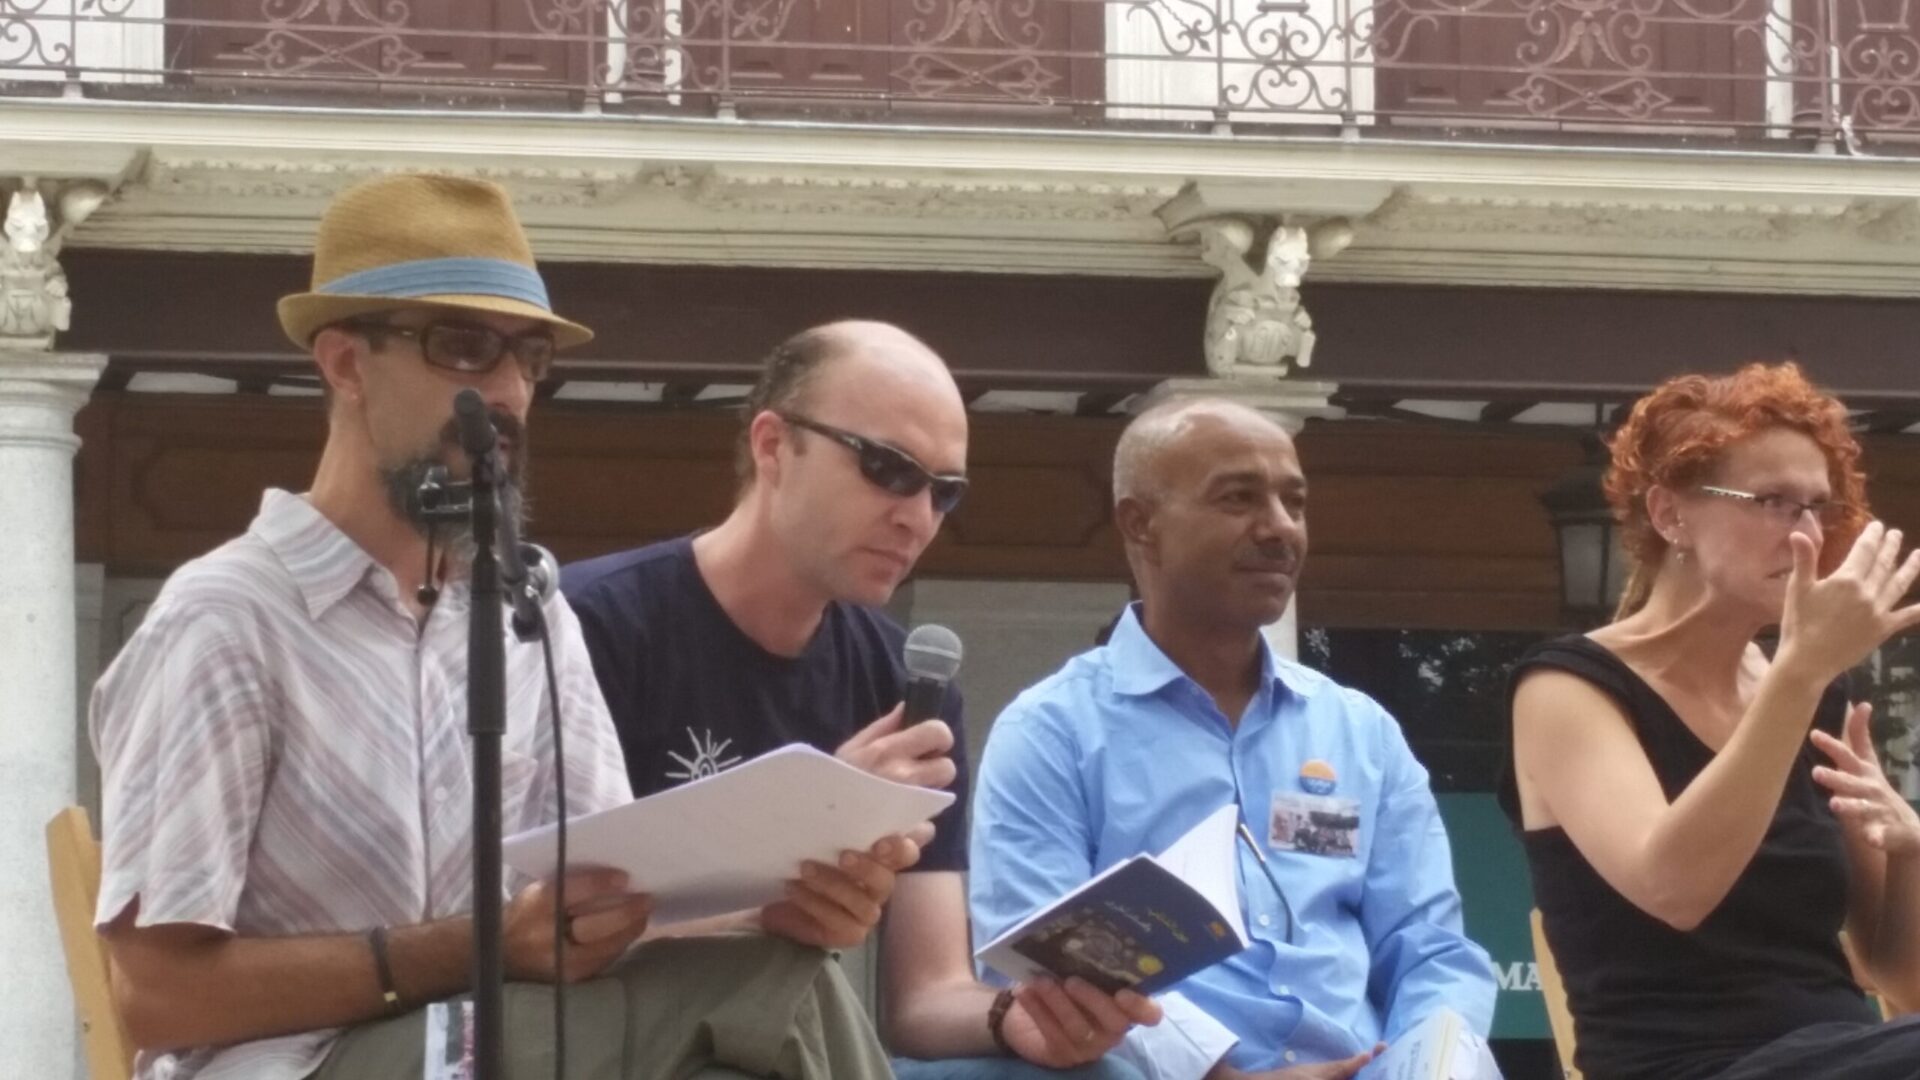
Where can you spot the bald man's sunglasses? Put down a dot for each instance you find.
(889, 469)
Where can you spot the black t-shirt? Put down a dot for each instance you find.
(691, 693)
(1654, 1003)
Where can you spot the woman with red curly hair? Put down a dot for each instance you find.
(1702, 820)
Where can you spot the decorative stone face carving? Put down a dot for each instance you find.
(34, 305)
(1256, 325)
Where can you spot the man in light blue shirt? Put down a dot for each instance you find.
(1347, 883)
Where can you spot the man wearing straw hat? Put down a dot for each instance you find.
(287, 870)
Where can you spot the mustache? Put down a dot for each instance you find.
(1276, 555)
(506, 425)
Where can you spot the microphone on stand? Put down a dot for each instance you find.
(539, 580)
(932, 660)
(529, 573)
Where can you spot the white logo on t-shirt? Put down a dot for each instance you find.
(706, 759)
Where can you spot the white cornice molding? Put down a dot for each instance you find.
(681, 191)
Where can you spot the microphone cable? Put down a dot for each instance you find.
(539, 629)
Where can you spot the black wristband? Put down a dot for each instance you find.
(377, 940)
(997, 1019)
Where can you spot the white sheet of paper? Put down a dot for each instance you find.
(730, 841)
(1205, 859)
(1440, 1047)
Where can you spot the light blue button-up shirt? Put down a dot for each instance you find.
(1120, 753)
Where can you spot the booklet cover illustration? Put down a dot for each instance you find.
(1145, 924)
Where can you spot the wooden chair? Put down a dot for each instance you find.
(1555, 993)
(1561, 1019)
(73, 857)
(1889, 1009)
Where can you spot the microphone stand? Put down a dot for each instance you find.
(486, 724)
(486, 713)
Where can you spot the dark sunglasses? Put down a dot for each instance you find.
(472, 349)
(889, 469)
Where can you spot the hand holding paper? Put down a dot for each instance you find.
(835, 907)
(732, 841)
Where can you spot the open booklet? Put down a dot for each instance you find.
(1145, 923)
(731, 841)
(1441, 1047)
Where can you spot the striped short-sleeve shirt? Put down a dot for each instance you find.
(284, 752)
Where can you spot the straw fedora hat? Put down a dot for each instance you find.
(421, 241)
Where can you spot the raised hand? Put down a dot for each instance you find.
(1863, 800)
(916, 755)
(1832, 623)
(1063, 1025)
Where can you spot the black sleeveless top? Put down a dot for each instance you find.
(1651, 1002)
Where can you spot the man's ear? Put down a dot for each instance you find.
(337, 354)
(765, 434)
(1133, 516)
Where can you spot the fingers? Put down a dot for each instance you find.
(917, 755)
(586, 891)
(1866, 549)
(1063, 1045)
(586, 885)
(1848, 784)
(1859, 734)
(860, 884)
(622, 923)
(1863, 817)
(1843, 755)
(921, 835)
(1139, 1008)
(872, 733)
(832, 907)
(1105, 1013)
(1347, 1069)
(785, 919)
(897, 853)
(599, 921)
(1900, 582)
(1903, 620)
(1805, 562)
(1079, 1028)
(843, 926)
(1885, 557)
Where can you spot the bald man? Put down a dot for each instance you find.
(1347, 885)
(766, 630)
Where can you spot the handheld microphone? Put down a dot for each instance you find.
(932, 659)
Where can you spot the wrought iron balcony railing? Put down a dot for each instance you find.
(1786, 73)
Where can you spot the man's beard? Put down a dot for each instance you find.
(403, 481)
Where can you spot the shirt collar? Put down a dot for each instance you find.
(1140, 668)
(325, 563)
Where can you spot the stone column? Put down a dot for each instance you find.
(1290, 402)
(39, 394)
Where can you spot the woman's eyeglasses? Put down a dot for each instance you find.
(1782, 510)
(889, 469)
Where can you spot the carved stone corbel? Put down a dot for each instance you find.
(1257, 327)
(41, 214)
